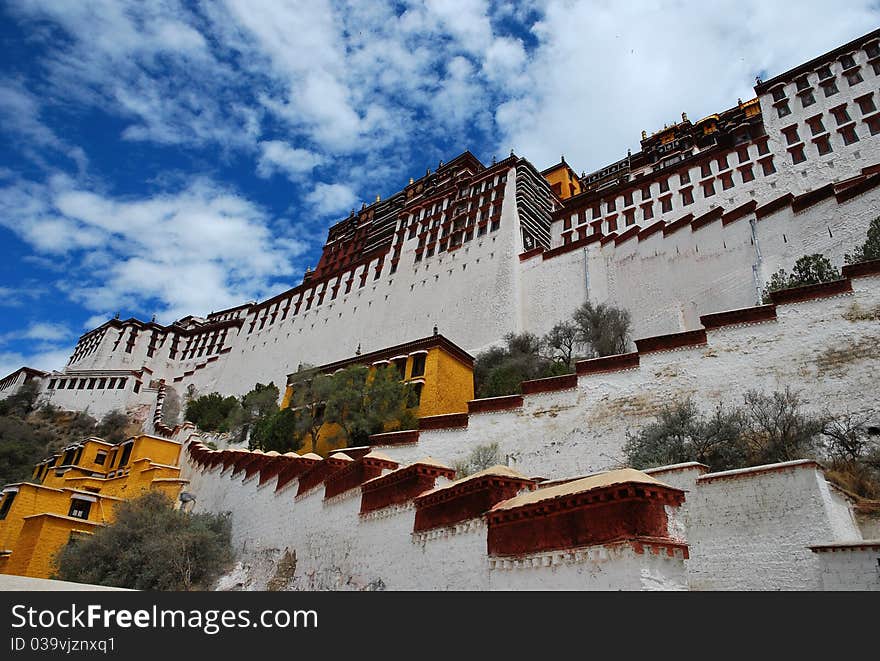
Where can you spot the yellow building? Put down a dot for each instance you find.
(74, 492)
(563, 180)
(441, 373)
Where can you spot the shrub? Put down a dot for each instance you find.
(150, 546)
(480, 458)
(808, 270)
(871, 248)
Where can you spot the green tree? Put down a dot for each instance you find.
(311, 390)
(213, 412)
(777, 429)
(501, 370)
(604, 329)
(258, 404)
(870, 250)
(150, 546)
(808, 270)
(346, 403)
(276, 431)
(387, 402)
(21, 447)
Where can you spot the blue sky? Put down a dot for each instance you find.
(171, 158)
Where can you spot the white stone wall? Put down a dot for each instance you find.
(850, 568)
(752, 529)
(825, 348)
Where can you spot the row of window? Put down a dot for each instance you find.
(95, 383)
(457, 239)
(86, 346)
(820, 135)
(827, 80)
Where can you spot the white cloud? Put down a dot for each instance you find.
(328, 199)
(38, 331)
(603, 72)
(45, 359)
(278, 156)
(172, 254)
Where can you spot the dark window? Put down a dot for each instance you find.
(782, 109)
(807, 99)
(802, 84)
(854, 78)
(648, 211)
(823, 144)
(797, 155)
(417, 393)
(666, 204)
(684, 177)
(743, 154)
(52, 384)
(630, 215)
(849, 135)
(763, 148)
(830, 88)
(705, 170)
(646, 193)
(726, 180)
(816, 125)
(495, 225)
(866, 104)
(664, 185)
(100, 457)
(872, 50)
(747, 174)
(627, 198)
(80, 508)
(824, 72)
(847, 61)
(400, 366)
(687, 197)
(596, 211)
(126, 454)
(7, 504)
(611, 205)
(841, 116)
(418, 365)
(120, 384)
(778, 93)
(791, 135)
(709, 189)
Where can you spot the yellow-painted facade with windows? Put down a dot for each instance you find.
(442, 372)
(74, 492)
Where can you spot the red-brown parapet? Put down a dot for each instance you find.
(651, 230)
(861, 269)
(807, 200)
(528, 254)
(752, 315)
(773, 206)
(550, 384)
(261, 461)
(402, 485)
(672, 341)
(631, 233)
(811, 292)
(274, 467)
(447, 421)
(316, 474)
(608, 238)
(294, 469)
(869, 183)
(574, 245)
(468, 498)
(739, 212)
(617, 363)
(709, 217)
(491, 404)
(404, 437)
(676, 225)
(356, 473)
(599, 509)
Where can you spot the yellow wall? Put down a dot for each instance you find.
(449, 385)
(563, 181)
(37, 524)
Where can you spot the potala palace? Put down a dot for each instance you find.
(684, 234)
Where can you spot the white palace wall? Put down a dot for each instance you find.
(826, 348)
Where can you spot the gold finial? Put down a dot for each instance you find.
(378, 199)
(684, 116)
(644, 134)
(411, 180)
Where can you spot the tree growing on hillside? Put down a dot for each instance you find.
(869, 250)
(21, 402)
(480, 458)
(113, 427)
(276, 431)
(562, 342)
(808, 270)
(604, 329)
(150, 546)
(311, 390)
(501, 370)
(213, 412)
